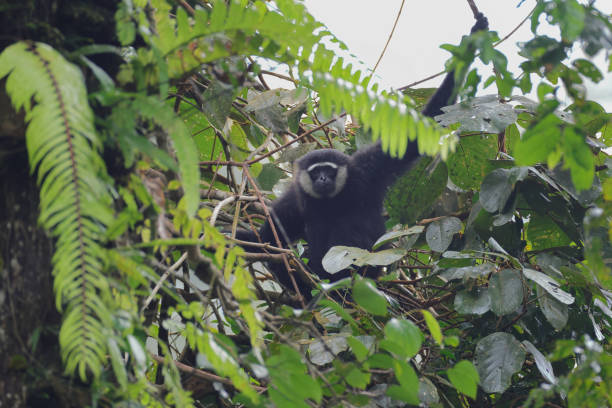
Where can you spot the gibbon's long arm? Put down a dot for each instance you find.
(379, 168)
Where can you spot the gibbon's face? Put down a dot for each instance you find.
(322, 173)
(323, 180)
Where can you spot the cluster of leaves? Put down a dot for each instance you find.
(511, 266)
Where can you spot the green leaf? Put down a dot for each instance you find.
(506, 291)
(402, 338)
(379, 360)
(498, 356)
(291, 385)
(269, 176)
(186, 150)
(358, 348)
(497, 187)
(485, 114)
(439, 234)
(393, 235)
(539, 141)
(357, 378)
(416, 191)
(225, 364)
(550, 285)
(433, 326)
(556, 312)
(476, 301)
(542, 232)
(75, 204)
(117, 363)
(544, 366)
(408, 390)
(367, 296)
(464, 378)
(579, 158)
(471, 161)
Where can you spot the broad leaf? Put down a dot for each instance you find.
(506, 291)
(498, 356)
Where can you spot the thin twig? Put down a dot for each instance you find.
(271, 152)
(494, 45)
(399, 13)
(203, 374)
(162, 279)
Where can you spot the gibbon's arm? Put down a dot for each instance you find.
(288, 222)
(379, 168)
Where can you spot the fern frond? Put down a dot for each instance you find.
(293, 36)
(186, 150)
(63, 149)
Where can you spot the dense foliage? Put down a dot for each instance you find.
(498, 288)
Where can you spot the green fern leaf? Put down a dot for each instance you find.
(75, 205)
(186, 149)
(290, 34)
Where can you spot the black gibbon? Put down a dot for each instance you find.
(336, 199)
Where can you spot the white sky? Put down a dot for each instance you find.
(414, 52)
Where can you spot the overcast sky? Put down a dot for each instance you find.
(414, 52)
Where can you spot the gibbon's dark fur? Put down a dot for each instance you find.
(336, 199)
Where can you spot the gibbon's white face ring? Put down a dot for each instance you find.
(306, 183)
(320, 164)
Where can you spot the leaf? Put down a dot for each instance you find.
(550, 285)
(439, 234)
(294, 153)
(470, 163)
(357, 378)
(186, 150)
(464, 378)
(393, 235)
(497, 187)
(325, 351)
(578, 157)
(476, 301)
(138, 353)
(428, 393)
(225, 364)
(543, 233)
(75, 204)
(506, 291)
(498, 356)
(544, 366)
(217, 103)
(367, 296)
(117, 363)
(358, 348)
(539, 141)
(341, 257)
(269, 176)
(290, 383)
(402, 337)
(415, 192)
(407, 391)
(482, 114)
(556, 313)
(381, 258)
(585, 197)
(433, 326)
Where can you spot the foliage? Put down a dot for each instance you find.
(64, 150)
(504, 283)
